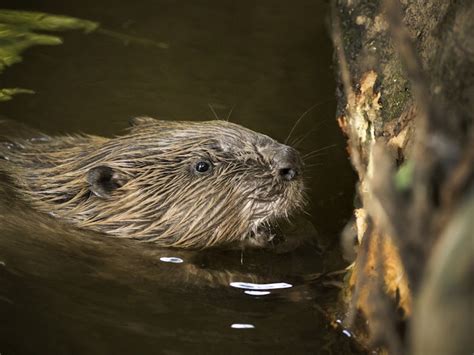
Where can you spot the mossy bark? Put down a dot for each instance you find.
(406, 105)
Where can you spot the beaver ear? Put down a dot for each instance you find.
(103, 180)
(137, 121)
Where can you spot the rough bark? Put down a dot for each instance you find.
(406, 105)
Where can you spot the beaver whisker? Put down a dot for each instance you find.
(299, 120)
(297, 141)
(213, 112)
(319, 150)
(227, 118)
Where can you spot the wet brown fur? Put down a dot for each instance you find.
(159, 196)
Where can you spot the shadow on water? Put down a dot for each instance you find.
(76, 293)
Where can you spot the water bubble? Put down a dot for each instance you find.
(171, 259)
(257, 293)
(242, 326)
(254, 286)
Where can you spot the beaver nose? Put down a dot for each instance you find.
(288, 163)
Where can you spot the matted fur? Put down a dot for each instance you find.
(162, 198)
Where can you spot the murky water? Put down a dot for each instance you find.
(264, 64)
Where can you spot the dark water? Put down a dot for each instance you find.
(267, 62)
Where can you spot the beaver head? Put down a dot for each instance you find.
(180, 184)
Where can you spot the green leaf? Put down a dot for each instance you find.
(404, 176)
(45, 22)
(17, 34)
(7, 94)
(14, 40)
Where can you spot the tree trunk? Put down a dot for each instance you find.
(406, 105)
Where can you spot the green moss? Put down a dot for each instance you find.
(368, 46)
(17, 34)
(396, 90)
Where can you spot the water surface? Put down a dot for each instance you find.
(262, 64)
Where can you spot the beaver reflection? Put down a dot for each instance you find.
(178, 184)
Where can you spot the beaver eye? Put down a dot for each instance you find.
(202, 166)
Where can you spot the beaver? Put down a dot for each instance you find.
(175, 183)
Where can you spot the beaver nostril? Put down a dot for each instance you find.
(288, 163)
(288, 173)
